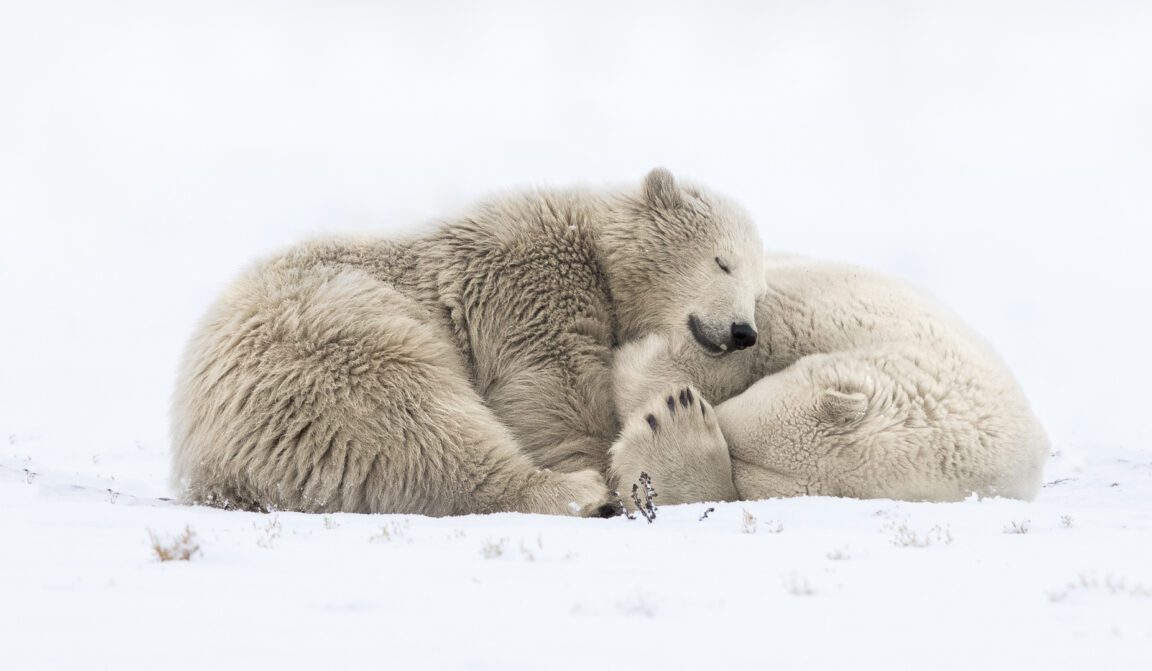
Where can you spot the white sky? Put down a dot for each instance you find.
(997, 154)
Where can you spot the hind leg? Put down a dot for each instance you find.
(323, 389)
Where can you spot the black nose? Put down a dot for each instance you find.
(743, 336)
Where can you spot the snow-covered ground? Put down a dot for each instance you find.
(997, 154)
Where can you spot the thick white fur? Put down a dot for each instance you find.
(859, 386)
(465, 370)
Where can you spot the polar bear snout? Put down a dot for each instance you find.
(743, 336)
(722, 338)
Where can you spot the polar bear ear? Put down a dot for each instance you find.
(660, 189)
(837, 407)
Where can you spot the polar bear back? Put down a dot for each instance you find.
(814, 307)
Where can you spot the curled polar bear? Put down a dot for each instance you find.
(461, 370)
(858, 386)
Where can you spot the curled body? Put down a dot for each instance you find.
(859, 386)
(461, 370)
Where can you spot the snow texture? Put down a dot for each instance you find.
(995, 154)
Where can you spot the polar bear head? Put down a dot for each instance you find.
(682, 260)
(790, 435)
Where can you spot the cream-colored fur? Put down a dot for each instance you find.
(675, 439)
(858, 386)
(460, 371)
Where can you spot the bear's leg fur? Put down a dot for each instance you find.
(676, 440)
(324, 389)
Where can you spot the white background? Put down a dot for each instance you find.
(996, 154)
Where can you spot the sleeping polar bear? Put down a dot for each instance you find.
(858, 386)
(461, 370)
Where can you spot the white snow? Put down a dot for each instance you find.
(997, 154)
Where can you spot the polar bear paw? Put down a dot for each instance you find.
(582, 494)
(675, 439)
(590, 496)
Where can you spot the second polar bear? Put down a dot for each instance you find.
(858, 386)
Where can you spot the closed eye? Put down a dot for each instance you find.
(723, 266)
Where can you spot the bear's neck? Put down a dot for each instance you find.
(626, 265)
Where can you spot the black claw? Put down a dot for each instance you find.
(704, 411)
(684, 397)
(607, 510)
(651, 421)
(671, 403)
(689, 394)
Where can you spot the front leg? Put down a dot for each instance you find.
(675, 439)
(561, 413)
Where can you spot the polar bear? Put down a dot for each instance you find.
(858, 386)
(461, 370)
